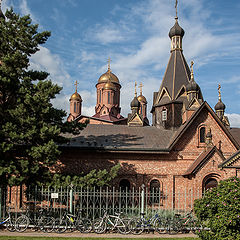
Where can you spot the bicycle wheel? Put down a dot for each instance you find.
(99, 225)
(160, 226)
(173, 227)
(22, 223)
(196, 226)
(60, 225)
(84, 225)
(126, 222)
(10, 226)
(46, 224)
(136, 226)
(121, 227)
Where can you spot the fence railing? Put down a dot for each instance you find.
(95, 200)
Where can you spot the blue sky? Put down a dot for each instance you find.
(134, 33)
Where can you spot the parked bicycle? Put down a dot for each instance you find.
(9, 221)
(72, 222)
(111, 222)
(184, 224)
(39, 221)
(154, 223)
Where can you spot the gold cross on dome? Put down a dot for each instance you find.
(219, 91)
(176, 7)
(140, 86)
(192, 63)
(109, 61)
(135, 88)
(76, 83)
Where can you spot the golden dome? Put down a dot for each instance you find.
(108, 76)
(141, 98)
(109, 86)
(76, 96)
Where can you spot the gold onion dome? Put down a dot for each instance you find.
(141, 98)
(108, 76)
(76, 96)
(109, 86)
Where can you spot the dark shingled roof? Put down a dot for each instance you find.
(229, 163)
(122, 137)
(202, 159)
(177, 76)
(236, 134)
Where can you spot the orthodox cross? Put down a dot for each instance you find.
(140, 86)
(135, 89)
(219, 91)
(176, 8)
(213, 161)
(192, 62)
(220, 145)
(109, 61)
(76, 83)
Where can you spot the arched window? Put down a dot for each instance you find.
(124, 185)
(108, 97)
(202, 133)
(75, 107)
(100, 96)
(164, 115)
(210, 183)
(154, 191)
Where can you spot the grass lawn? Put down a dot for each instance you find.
(72, 238)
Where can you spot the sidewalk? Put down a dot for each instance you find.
(93, 235)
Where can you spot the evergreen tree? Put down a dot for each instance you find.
(30, 127)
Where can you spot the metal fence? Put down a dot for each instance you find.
(94, 201)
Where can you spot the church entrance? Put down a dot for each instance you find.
(209, 183)
(124, 185)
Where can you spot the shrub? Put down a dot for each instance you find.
(219, 211)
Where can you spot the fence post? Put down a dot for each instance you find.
(71, 198)
(0, 203)
(142, 199)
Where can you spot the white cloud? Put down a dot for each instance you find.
(107, 35)
(25, 10)
(234, 119)
(44, 60)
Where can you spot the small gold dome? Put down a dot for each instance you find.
(76, 96)
(108, 76)
(109, 86)
(141, 98)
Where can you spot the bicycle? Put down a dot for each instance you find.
(138, 225)
(41, 222)
(189, 223)
(72, 222)
(8, 222)
(114, 221)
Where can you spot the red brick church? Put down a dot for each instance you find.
(188, 146)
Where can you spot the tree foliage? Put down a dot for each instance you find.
(219, 210)
(30, 127)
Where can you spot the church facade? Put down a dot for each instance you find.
(189, 147)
